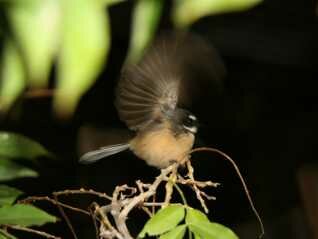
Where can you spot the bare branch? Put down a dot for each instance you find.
(35, 198)
(83, 191)
(195, 188)
(64, 215)
(26, 229)
(106, 228)
(110, 219)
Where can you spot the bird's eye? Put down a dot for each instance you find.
(189, 121)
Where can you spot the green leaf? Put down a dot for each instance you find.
(201, 227)
(195, 216)
(146, 16)
(84, 47)
(12, 75)
(185, 12)
(24, 215)
(6, 235)
(8, 195)
(176, 233)
(164, 220)
(36, 24)
(10, 170)
(17, 146)
(209, 230)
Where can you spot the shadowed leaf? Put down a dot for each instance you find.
(186, 12)
(10, 170)
(17, 146)
(8, 195)
(24, 215)
(12, 76)
(145, 19)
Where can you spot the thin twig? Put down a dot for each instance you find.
(26, 229)
(107, 230)
(122, 217)
(84, 191)
(195, 188)
(147, 211)
(184, 200)
(126, 198)
(67, 220)
(153, 204)
(93, 216)
(45, 198)
(169, 186)
(225, 156)
(7, 235)
(153, 209)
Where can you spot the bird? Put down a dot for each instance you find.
(150, 98)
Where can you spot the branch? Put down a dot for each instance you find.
(237, 170)
(122, 204)
(121, 217)
(67, 220)
(84, 191)
(110, 219)
(35, 198)
(26, 229)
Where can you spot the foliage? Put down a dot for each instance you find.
(24, 215)
(165, 223)
(146, 16)
(8, 195)
(185, 12)
(14, 149)
(19, 147)
(75, 34)
(165, 220)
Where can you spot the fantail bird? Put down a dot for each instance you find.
(150, 92)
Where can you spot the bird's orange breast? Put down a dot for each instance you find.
(160, 148)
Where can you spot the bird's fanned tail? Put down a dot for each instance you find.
(103, 152)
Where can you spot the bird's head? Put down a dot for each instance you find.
(185, 121)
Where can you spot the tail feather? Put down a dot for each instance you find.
(103, 152)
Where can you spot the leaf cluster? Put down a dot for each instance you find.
(166, 224)
(75, 35)
(14, 149)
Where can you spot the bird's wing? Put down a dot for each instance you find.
(148, 90)
(151, 89)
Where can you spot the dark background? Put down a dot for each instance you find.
(265, 119)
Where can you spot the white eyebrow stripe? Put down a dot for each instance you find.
(192, 117)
